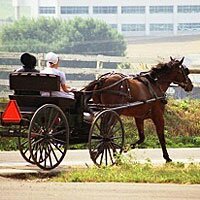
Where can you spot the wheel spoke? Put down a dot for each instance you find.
(98, 145)
(116, 137)
(101, 160)
(45, 160)
(50, 160)
(111, 157)
(106, 156)
(98, 128)
(114, 145)
(48, 136)
(41, 153)
(59, 141)
(115, 131)
(49, 118)
(57, 148)
(97, 137)
(53, 121)
(53, 153)
(58, 132)
(106, 137)
(37, 142)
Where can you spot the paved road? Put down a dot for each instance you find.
(21, 190)
(13, 162)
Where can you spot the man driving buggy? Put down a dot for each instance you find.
(52, 65)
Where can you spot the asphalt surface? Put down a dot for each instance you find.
(21, 190)
(12, 161)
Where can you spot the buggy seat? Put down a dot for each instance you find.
(27, 87)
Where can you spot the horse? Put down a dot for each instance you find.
(116, 89)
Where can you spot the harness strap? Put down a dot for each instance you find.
(146, 82)
(120, 93)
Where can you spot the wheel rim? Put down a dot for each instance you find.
(106, 138)
(23, 144)
(48, 136)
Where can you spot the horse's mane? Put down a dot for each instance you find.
(159, 69)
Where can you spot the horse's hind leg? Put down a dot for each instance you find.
(140, 127)
(159, 124)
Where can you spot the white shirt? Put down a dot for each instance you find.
(49, 70)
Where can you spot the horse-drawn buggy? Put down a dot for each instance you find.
(47, 125)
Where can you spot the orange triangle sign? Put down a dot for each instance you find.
(11, 113)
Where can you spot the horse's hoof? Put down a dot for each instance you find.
(168, 160)
(126, 149)
(133, 146)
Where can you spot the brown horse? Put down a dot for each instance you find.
(116, 89)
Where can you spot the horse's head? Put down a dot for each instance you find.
(172, 72)
(181, 73)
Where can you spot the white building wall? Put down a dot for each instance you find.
(148, 19)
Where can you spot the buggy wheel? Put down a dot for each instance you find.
(23, 144)
(106, 138)
(48, 136)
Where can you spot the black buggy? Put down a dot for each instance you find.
(46, 126)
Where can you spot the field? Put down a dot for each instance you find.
(155, 49)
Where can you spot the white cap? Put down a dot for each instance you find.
(51, 58)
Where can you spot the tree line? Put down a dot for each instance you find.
(76, 36)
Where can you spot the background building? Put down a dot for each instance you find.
(130, 17)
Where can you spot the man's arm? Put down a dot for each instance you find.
(65, 88)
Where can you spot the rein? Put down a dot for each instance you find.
(142, 77)
(105, 88)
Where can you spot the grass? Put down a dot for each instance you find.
(134, 172)
(182, 125)
(126, 171)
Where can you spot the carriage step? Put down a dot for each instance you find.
(11, 133)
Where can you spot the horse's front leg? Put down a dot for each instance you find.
(140, 127)
(159, 124)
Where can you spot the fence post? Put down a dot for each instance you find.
(41, 61)
(98, 66)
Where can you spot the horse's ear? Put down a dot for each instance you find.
(171, 58)
(181, 61)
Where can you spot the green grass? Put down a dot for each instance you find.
(182, 125)
(126, 171)
(134, 172)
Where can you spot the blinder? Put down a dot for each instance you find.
(185, 70)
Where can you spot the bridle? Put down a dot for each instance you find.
(185, 72)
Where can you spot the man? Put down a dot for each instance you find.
(52, 62)
(29, 63)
